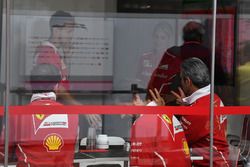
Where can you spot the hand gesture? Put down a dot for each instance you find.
(157, 97)
(179, 97)
(137, 101)
(94, 120)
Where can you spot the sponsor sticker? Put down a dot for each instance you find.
(185, 147)
(51, 121)
(53, 142)
(167, 119)
(39, 116)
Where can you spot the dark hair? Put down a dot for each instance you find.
(193, 31)
(197, 71)
(60, 18)
(44, 77)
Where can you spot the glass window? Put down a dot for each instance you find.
(91, 82)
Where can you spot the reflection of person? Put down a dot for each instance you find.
(193, 34)
(165, 76)
(158, 140)
(44, 139)
(60, 39)
(62, 28)
(243, 79)
(195, 84)
(162, 35)
(243, 93)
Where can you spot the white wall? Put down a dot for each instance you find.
(70, 5)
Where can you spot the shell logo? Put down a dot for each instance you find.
(53, 142)
(185, 147)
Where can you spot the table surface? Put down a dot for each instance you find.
(114, 154)
(109, 155)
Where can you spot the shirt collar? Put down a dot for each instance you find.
(197, 94)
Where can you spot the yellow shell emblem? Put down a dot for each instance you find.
(166, 118)
(185, 147)
(40, 116)
(53, 142)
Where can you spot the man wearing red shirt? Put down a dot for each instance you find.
(57, 50)
(44, 139)
(166, 76)
(195, 82)
(158, 141)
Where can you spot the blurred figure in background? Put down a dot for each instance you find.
(239, 125)
(162, 39)
(243, 94)
(57, 50)
(243, 79)
(166, 76)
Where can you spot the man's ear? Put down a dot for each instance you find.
(188, 81)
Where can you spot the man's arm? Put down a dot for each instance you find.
(94, 120)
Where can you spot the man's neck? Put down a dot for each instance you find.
(192, 90)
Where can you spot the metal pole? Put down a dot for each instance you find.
(212, 84)
(7, 82)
